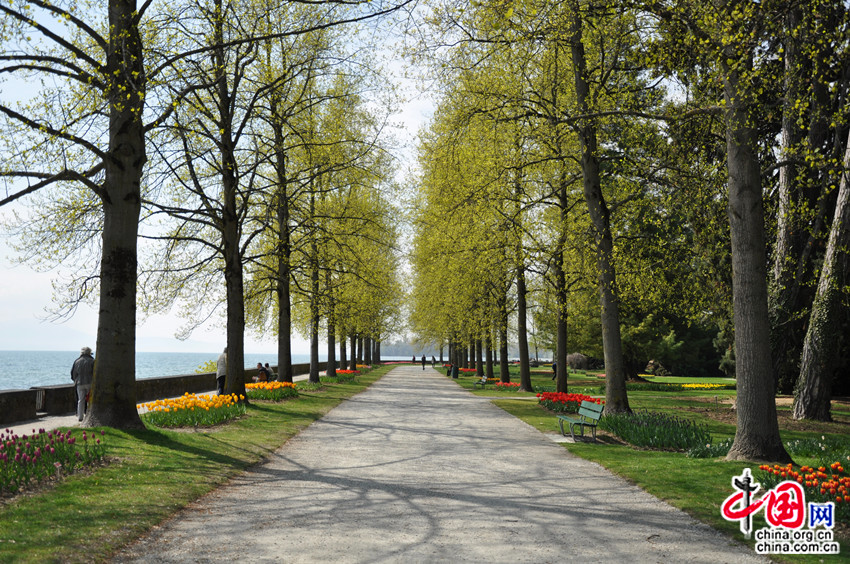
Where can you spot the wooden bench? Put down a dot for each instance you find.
(588, 416)
(477, 383)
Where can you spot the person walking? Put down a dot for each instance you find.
(221, 371)
(82, 373)
(423, 362)
(554, 370)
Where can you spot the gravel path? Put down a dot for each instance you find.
(418, 470)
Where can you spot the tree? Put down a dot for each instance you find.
(730, 44)
(812, 394)
(814, 49)
(213, 192)
(99, 142)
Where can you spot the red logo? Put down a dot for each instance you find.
(784, 505)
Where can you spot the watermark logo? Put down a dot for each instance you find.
(785, 514)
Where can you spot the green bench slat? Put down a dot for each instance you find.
(588, 416)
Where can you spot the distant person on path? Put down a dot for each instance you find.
(221, 371)
(82, 373)
(433, 361)
(554, 370)
(414, 359)
(423, 362)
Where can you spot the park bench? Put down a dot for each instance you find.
(477, 383)
(588, 416)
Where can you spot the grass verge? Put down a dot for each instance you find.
(152, 474)
(696, 486)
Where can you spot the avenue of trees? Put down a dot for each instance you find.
(206, 154)
(633, 180)
(642, 180)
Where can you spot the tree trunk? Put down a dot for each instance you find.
(616, 398)
(522, 331)
(230, 222)
(782, 297)
(353, 352)
(376, 358)
(802, 191)
(284, 254)
(561, 372)
(314, 297)
(113, 393)
(367, 345)
(343, 357)
(331, 370)
(757, 434)
(561, 368)
(488, 365)
(504, 366)
(812, 394)
(455, 357)
(479, 359)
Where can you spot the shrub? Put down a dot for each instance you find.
(341, 376)
(26, 460)
(208, 366)
(656, 430)
(656, 368)
(577, 361)
(307, 386)
(272, 391)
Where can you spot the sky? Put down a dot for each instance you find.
(25, 294)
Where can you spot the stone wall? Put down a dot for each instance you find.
(17, 405)
(24, 405)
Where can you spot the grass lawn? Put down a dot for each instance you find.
(152, 474)
(697, 486)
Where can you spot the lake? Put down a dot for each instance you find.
(24, 369)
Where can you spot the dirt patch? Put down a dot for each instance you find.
(722, 412)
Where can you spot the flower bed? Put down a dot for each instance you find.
(191, 410)
(468, 370)
(820, 484)
(27, 460)
(271, 391)
(564, 403)
(504, 386)
(670, 387)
